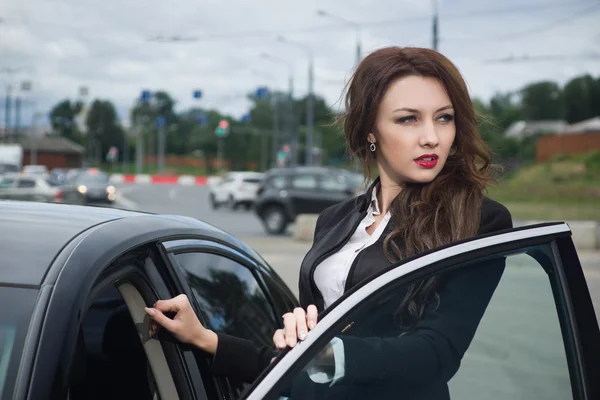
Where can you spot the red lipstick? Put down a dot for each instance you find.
(427, 160)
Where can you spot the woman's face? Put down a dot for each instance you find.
(414, 130)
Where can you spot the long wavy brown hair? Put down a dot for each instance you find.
(429, 215)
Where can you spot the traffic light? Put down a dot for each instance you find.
(223, 128)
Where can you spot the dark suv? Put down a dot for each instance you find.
(289, 192)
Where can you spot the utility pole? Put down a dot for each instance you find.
(310, 116)
(275, 144)
(7, 113)
(161, 144)
(435, 26)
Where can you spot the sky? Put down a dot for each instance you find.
(117, 48)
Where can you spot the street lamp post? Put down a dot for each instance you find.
(310, 107)
(349, 23)
(33, 136)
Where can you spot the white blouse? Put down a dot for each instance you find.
(331, 274)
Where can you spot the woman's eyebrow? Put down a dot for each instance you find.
(412, 110)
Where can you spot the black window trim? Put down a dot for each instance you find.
(556, 235)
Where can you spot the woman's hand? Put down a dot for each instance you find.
(296, 327)
(185, 325)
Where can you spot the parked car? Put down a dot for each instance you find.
(8, 168)
(58, 176)
(235, 189)
(76, 328)
(15, 186)
(36, 170)
(289, 192)
(87, 186)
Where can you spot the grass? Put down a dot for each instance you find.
(561, 189)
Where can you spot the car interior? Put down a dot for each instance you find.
(115, 358)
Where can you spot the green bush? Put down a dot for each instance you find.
(592, 163)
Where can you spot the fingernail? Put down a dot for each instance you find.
(150, 311)
(281, 344)
(302, 335)
(311, 324)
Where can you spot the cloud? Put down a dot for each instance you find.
(104, 45)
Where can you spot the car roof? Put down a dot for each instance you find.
(16, 175)
(244, 173)
(32, 234)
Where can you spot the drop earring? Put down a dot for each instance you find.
(372, 147)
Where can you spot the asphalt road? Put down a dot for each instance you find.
(518, 344)
(191, 201)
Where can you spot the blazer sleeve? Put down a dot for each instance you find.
(433, 350)
(240, 358)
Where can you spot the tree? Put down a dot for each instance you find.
(144, 115)
(505, 110)
(62, 120)
(104, 130)
(542, 101)
(580, 98)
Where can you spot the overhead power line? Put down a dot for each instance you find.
(546, 57)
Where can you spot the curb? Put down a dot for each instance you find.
(187, 180)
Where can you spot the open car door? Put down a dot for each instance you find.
(501, 316)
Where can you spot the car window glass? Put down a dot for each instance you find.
(333, 183)
(304, 181)
(252, 180)
(7, 182)
(230, 296)
(93, 178)
(276, 182)
(452, 337)
(26, 183)
(14, 322)
(231, 299)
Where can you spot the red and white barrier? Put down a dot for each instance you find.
(188, 180)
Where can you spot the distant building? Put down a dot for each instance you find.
(579, 138)
(51, 151)
(523, 129)
(588, 125)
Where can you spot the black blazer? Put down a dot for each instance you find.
(418, 365)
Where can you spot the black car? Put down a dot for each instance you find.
(74, 281)
(73, 284)
(88, 186)
(289, 192)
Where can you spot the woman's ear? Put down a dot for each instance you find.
(371, 138)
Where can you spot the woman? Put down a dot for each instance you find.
(408, 111)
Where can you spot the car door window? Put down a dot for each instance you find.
(230, 296)
(231, 299)
(304, 182)
(6, 183)
(490, 327)
(276, 182)
(331, 183)
(26, 183)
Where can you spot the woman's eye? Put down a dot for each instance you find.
(406, 120)
(446, 117)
